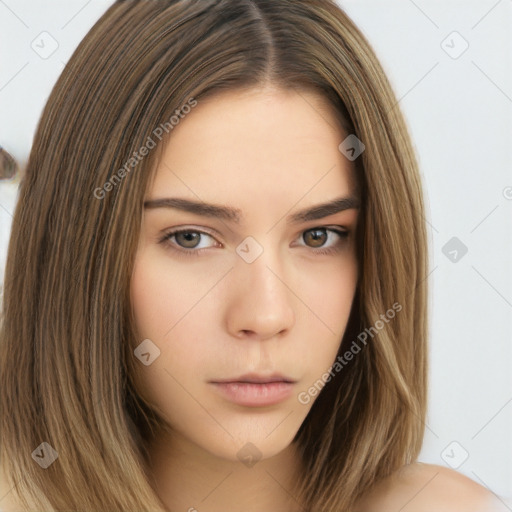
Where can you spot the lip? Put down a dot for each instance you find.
(257, 378)
(253, 390)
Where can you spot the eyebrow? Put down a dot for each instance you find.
(234, 215)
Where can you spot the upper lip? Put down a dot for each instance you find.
(257, 378)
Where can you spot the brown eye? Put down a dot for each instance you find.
(188, 239)
(315, 237)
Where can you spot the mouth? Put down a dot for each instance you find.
(253, 378)
(254, 390)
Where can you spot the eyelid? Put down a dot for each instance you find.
(328, 227)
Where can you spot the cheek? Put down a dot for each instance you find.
(149, 300)
(159, 301)
(328, 296)
(168, 310)
(328, 291)
(161, 296)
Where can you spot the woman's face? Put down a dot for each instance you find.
(258, 285)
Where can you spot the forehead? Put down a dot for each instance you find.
(256, 147)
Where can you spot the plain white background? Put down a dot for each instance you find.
(450, 65)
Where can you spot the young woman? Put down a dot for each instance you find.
(215, 294)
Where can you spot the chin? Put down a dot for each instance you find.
(250, 447)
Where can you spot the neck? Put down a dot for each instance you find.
(190, 479)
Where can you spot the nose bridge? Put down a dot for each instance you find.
(262, 303)
(259, 260)
(265, 276)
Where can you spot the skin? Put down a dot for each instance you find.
(217, 316)
(427, 487)
(268, 153)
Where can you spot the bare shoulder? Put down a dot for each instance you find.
(425, 487)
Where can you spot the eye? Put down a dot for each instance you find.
(190, 241)
(317, 238)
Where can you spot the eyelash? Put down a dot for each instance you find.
(166, 240)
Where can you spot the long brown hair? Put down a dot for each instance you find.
(67, 333)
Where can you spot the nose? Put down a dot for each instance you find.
(259, 304)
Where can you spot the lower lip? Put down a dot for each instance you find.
(253, 394)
